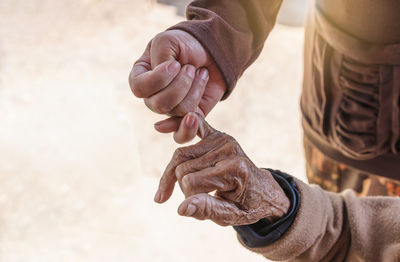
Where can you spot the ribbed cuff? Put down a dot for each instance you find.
(262, 233)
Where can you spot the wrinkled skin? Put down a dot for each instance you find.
(175, 76)
(244, 193)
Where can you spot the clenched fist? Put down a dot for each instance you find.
(244, 193)
(175, 76)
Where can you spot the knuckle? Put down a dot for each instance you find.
(234, 148)
(179, 154)
(180, 172)
(224, 138)
(160, 107)
(136, 91)
(242, 164)
(162, 39)
(229, 138)
(186, 185)
(150, 104)
(225, 164)
(159, 37)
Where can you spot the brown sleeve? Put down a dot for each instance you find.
(339, 227)
(233, 31)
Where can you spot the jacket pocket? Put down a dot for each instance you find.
(356, 128)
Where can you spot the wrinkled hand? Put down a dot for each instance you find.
(174, 76)
(244, 193)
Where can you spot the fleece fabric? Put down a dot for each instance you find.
(339, 227)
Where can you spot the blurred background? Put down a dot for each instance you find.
(79, 158)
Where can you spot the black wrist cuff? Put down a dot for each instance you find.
(263, 233)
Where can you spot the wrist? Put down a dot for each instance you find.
(263, 233)
(280, 202)
(282, 206)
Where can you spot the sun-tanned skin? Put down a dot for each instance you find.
(244, 193)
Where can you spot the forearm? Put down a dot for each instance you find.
(233, 31)
(334, 227)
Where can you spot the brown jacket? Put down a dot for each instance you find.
(351, 91)
(339, 227)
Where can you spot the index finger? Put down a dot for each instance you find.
(212, 139)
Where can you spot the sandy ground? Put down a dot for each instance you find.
(79, 159)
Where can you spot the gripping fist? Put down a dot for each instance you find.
(174, 76)
(244, 193)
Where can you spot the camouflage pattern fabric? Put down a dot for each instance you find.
(336, 177)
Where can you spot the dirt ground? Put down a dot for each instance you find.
(79, 158)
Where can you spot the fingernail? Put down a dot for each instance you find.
(204, 74)
(173, 67)
(190, 70)
(190, 210)
(157, 197)
(190, 120)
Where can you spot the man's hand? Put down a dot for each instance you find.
(176, 75)
(244, 193)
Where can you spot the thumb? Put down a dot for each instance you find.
(204, 206)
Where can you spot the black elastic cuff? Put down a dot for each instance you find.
(262, 233)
